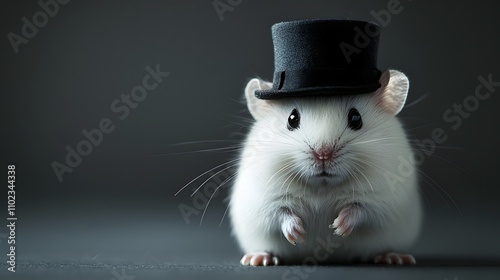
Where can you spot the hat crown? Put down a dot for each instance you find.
(317, 44)
(323, 57)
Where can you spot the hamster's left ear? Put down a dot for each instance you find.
(257, 107)
(393, 91)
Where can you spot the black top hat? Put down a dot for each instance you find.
(323, 57)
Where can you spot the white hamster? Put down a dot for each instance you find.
(327, 179)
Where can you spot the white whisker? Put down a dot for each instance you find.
(209, 178)
(216, 189)
(199, 176)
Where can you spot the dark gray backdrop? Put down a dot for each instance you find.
(118, 204)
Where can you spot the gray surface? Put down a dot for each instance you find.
(221, 271)
(163, 247)
(117, 207)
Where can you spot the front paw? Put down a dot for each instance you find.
(293, 229)
(259, 259)
(347, 220)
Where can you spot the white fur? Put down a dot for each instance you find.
(277, 170)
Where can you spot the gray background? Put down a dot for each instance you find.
(118, 206)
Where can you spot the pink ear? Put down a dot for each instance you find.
(257, 107)
(393, 91)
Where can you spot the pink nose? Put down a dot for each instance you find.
(324, 153)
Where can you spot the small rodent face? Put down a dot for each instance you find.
(326, 140)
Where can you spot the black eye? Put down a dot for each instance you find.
(293, 120)
(354, 119)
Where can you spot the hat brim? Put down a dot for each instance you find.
(315, 91)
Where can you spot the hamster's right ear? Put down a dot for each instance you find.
(257, 107)
(393, 91)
